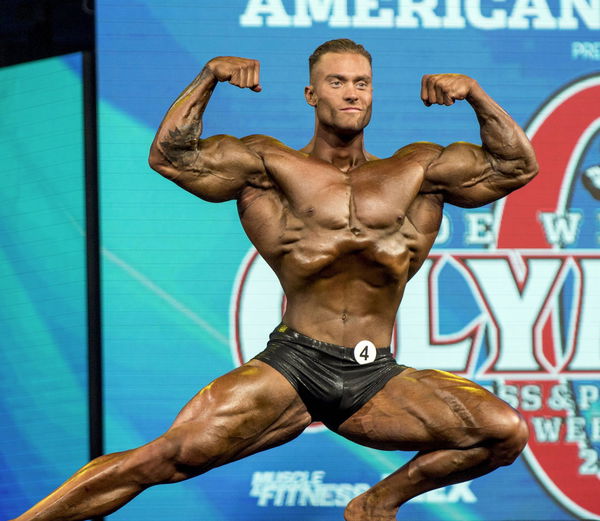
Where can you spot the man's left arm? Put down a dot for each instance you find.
(468, 175)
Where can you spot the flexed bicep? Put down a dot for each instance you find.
(470, 175)
(467, 176)
(215, 169)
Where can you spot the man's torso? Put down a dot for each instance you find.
(343, 244)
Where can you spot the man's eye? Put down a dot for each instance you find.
(336, 83)
(361, 85)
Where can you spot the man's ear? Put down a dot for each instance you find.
(309, 95)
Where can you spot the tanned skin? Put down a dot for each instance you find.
(344, 232)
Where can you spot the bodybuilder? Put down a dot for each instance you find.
(344, 231)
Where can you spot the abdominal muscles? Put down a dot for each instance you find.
(343, 288)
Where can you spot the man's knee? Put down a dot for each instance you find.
(183, 452)
(510, 434)
(154, 463)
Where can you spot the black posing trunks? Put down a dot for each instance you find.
(331, 383)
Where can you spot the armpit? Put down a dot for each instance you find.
(261, 145)
(248, 196)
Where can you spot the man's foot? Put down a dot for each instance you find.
(366, 507)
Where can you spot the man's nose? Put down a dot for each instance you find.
(350, 93)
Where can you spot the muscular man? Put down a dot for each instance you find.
(344, 231)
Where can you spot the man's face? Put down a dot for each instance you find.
(341, 91)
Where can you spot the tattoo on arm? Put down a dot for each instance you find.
(181, 147)
(181, 144)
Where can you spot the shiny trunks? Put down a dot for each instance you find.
(328, 378)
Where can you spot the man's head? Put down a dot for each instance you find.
(340, 85)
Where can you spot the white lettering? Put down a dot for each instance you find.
(414, 341)
(308, 496)
(589, 466)
(595, 429)
(457, 14)
(461, 492)
(411, 11)
(479, 228)
(561, 398)
(527, 398)
(365, 18)
(588, 395)
(497, 20)
(547, 430)
(317, 476)
(575, 429)
(561, 229)
(515, 310)
(259, 479)
(326, 495)
(538, 9)
(453, 18)
(335, 12)
(446, 230)
(345, 493)
(272, 10)
(301, 488)
(586, 51)
(266, 493)
(587, 356)
(531, 398)
(281, 491)
(589, 12)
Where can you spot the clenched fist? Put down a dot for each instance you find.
(241, 72)
(445, 89)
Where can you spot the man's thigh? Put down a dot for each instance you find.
(426, 410)
(249, 409)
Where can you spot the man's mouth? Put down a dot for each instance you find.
(351, 109)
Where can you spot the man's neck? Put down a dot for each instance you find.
(345, 152)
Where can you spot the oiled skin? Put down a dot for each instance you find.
(344, 232)
(343, 244)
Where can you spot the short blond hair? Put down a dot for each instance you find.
(340, 45)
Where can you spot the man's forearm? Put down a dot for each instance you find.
(505, 142)
(181, 127)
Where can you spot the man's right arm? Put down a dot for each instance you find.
(217, 168)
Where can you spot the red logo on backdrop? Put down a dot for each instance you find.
(565, 429)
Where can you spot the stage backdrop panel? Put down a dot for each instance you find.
(43, 371)
(508, 297)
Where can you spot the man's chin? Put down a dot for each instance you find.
(350, 128)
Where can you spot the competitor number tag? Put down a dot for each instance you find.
(365, 352)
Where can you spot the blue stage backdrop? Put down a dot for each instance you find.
(509, 297)
(43, 375)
